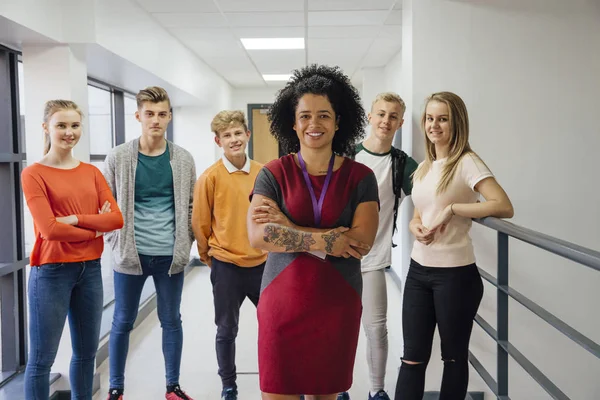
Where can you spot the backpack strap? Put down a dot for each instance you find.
(398, 164)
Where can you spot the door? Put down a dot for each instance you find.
(264, 146)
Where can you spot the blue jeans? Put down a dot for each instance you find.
(128, 290)
(55, 291)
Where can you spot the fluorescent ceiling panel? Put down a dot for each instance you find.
(273, 43)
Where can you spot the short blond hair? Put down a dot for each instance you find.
(152, 94)
(390, 97)
(227, 118)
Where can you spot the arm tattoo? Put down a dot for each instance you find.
(290, 239)
(330, 239)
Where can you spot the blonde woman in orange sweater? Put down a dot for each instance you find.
(72, 206)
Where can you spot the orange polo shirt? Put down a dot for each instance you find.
(221, 202)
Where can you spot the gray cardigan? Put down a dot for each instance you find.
(119, 171)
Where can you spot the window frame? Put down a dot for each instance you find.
(13, 295)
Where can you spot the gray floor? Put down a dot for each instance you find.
(145, 370)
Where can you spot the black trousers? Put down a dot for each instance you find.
(448, 297)
(231, 285)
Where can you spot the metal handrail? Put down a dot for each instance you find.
(579, 254)
(582, 255)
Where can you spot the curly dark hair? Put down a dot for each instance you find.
(325, 81)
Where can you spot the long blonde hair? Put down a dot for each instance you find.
(459, 139)
(51, 107)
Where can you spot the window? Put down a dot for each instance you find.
(100, 119)
(132, 126)
(13, 262)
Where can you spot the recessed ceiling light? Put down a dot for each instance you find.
(276, 77)
(273, 43)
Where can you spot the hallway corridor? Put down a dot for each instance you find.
(145, 371)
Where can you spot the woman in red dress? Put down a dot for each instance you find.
(310, 305)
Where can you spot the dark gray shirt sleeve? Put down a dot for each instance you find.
(266, 185)
(368, 189)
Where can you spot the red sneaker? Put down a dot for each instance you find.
(177, 394)
(115, 394)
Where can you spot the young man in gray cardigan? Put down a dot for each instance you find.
(152, 180)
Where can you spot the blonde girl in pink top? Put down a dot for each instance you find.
(443, 286)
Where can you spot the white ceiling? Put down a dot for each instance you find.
(350, 33)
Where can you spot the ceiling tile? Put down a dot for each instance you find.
(228, 64)
(202, 33)
(277, 61)
(339, 45)
(363, 31)
(260, 5)
(244, 79)
(191, 20)
(179, 6)
(215, 47)
(346, 18)
(269, 32)
(348, 62)
(262, 19)
(377, 57)
(387, 42)
(340, 5)
(276, 83)
(392, 31)
(395, 18)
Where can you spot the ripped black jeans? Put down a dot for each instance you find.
(448, 297)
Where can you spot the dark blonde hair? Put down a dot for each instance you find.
(152, 94)
(225, 119)
(459, 138)
(390, 97)
(50, 108)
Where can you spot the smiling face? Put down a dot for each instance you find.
(233, 140)
(437, 123)
(315, 121)
(64, 129)
(385, 119)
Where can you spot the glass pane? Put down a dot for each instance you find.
(132, 126)
(100, 116)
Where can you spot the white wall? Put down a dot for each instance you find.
(46, 20)
(191, 130)
(392, 74)
(528, 72)
(117, 28)
(125, 29)
(372, 85)
(240, 98)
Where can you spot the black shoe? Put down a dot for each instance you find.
(115, 394)
(229, 394)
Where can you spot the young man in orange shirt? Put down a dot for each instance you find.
(221, 201)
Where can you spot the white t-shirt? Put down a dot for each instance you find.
(380, 255)
(453, 247)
